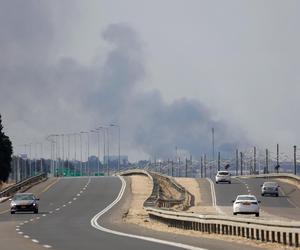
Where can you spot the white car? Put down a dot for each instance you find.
(246, 204)
(223, 176)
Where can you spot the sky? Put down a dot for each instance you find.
(165, 71)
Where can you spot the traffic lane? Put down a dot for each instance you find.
(10, 240)
(50, 199)
(36, 189)
(115, 222)
(70, 227)
(226, 193)
(291, 191)
(285, 206)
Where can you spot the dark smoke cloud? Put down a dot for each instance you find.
(41, 93)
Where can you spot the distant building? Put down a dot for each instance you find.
(115, 159)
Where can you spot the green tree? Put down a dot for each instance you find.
(5, 154)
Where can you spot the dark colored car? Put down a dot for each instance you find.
(24, 202)
(270, 188)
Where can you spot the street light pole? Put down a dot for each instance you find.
(80, 138)
(104, 130)
(119, 146)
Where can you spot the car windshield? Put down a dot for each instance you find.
(22, 197)
(223, 173)
(246, 198)
(270, 184)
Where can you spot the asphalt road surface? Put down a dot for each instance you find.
(284, 207)
(64, 222)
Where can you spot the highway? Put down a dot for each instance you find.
(284, 207)
(66, 215)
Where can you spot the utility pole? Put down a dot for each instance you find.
(63, 153)
(254, 167)
(186, 166)
(236, 162)
(80, 139)
(68, 155)
(201, 167)
(277, 159)
(213, 147)
(42, 168)
(267, 161)
(179, 172)
(295, 159)
(172, 168)
(219, 161)
(204, 165)
(241, 155)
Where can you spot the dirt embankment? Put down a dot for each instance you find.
(141, 188)
(168, 191)
(200, 206)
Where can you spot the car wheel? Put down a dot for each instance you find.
(262, 194)
(12, 212)
(234, 213)
(217, 182)
(257, 215)
(229, 182)
(36, 211)
(276, 195)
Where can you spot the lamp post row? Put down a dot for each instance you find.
(59, 155)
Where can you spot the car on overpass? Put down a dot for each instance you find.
(270, 188)
(223, 176)
(246, 204)
(24, 202)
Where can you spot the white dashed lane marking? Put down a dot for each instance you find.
(47, 246)
(44, 215)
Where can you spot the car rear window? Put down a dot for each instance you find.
(223, 173)
(270, 184)
(246, 198)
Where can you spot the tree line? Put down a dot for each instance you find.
(6, 152)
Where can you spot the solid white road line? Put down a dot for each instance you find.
(213, 196)
(94, 223)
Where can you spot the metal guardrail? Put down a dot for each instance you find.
(286, 233)
(282, 232)
(13, 189)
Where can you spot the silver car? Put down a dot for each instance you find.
(270, 188)
(25, 202)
